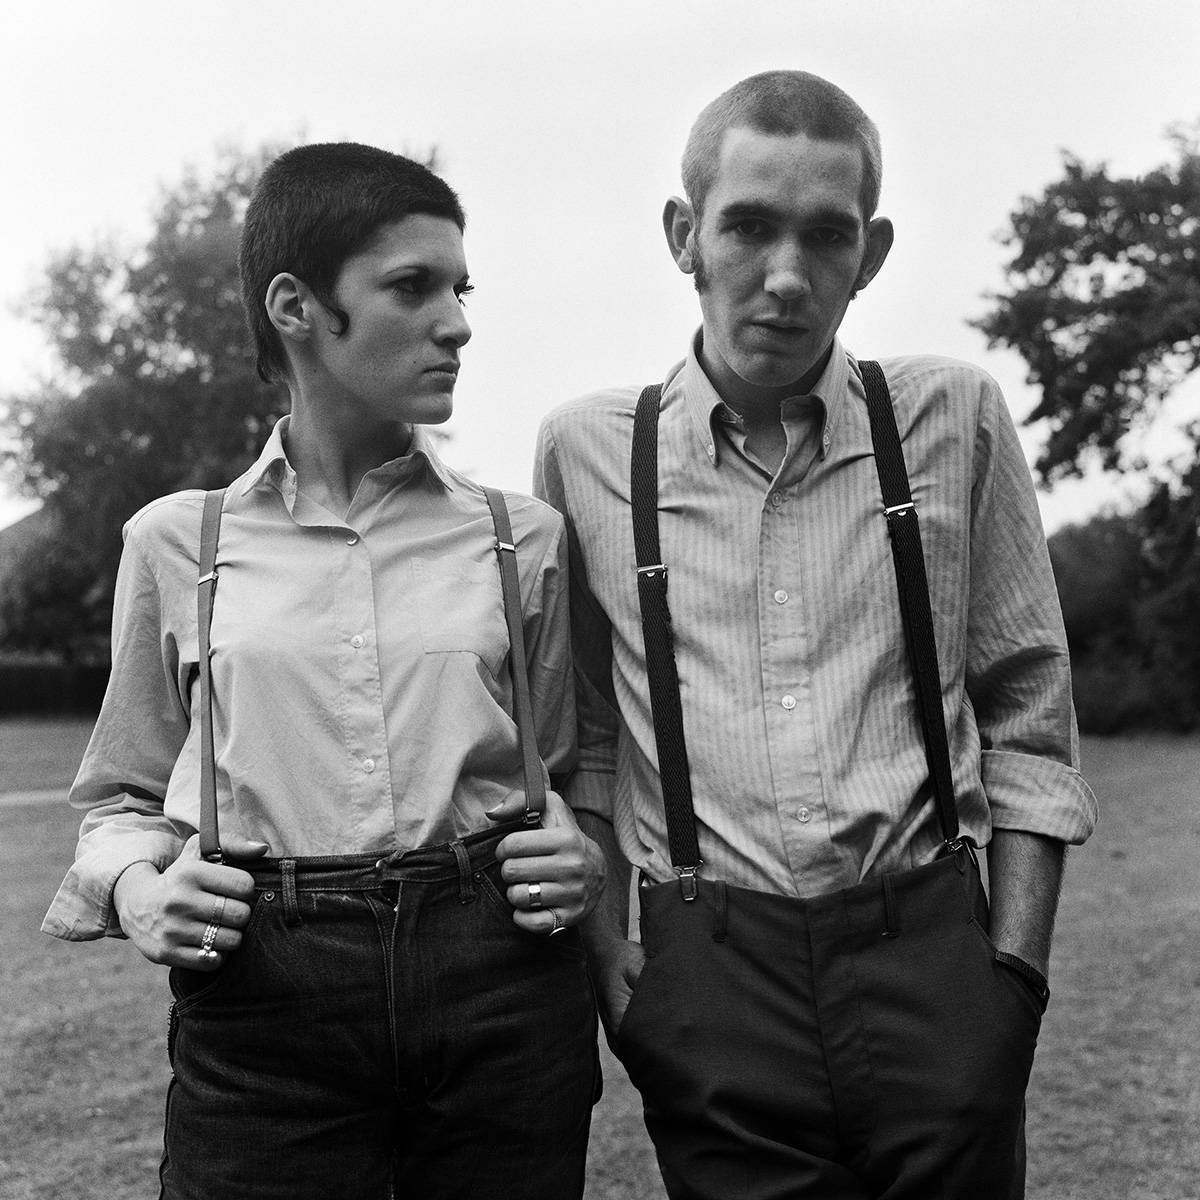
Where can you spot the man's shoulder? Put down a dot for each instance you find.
(597, 408)
(936, 372)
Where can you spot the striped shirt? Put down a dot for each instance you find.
(807, 761)
(361, 691)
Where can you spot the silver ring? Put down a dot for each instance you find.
(218, 917)
(535, 895)
(558, 926)
(206, 942)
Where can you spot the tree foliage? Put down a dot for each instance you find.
(155, 390)
(1103, 304)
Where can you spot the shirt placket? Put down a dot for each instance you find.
(787, 684)
(364, 728)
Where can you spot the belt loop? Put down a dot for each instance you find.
(291, 909)
(721, 911)
(466, 885)
(891, 914)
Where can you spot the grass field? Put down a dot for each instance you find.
(1114, 1104)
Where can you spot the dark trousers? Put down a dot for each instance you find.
(864, 1044)
(385, 1030)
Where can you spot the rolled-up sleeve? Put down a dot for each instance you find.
(123, 778)
(1018, 675)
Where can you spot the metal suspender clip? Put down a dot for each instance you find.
(205, 578)
(689, 885)
(897, 510)
(653, 570)
(505, 546)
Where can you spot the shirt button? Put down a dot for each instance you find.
(352, 540)
(368, 765)
(357, 641)
(788, 702)
(781, 597)
(803, 814)
(825, 441)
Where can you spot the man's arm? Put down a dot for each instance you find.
(1025, 876)
(1018, 678)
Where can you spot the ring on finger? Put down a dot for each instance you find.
(218, 917)
(558, 926)
(535, 895)
(206, 942)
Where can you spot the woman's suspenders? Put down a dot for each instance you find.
(506, 555)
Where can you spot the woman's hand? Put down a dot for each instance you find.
(166, 915)
(563, 865)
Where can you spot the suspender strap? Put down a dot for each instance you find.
(210, 529)
(506, 556)
(913, 586)
(661, 672)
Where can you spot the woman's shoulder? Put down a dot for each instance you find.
(167, 525)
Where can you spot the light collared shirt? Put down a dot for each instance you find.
(807, 762)
(361, 691)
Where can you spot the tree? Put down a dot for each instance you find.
(1103, 304)
(155, 390)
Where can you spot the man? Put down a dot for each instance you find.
(820, 1006)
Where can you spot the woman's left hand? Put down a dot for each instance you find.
(554, 874)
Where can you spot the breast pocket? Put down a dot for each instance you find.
(460, 608)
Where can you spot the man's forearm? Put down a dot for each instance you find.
(1025, 873)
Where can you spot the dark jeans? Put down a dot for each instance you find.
(865, 1044)
(385, 1030)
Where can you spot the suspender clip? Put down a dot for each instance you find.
(689, 885)
(505, 546)
(212, 575)
(900, 510)
(653, 570)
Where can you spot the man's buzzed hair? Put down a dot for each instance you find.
(783, 104)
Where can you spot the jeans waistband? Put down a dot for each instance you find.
(366, 872)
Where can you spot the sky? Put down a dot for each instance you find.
(561, 125)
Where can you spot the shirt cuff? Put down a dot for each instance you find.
(591, 791)
(83, 907)
(1032, 794)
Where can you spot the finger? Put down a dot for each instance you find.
(554, 868)
(234, 846)
(542, 921)
(557, 813)
(536, 896)
(511, 808)
(528, 842)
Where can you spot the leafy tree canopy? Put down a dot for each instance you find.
(1103, 302)
(155, 391)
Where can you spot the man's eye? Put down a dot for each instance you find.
(828, 236)
(463, 292)
(750, 228)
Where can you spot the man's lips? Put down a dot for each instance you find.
(446, 368)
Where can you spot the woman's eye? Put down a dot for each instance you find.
(463, 292)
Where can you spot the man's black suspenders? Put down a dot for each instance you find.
(663, 678)
(506, 556)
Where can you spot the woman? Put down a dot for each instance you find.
(374, 995)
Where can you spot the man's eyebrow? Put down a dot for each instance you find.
(840, 218)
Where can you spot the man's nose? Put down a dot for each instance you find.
(787, 272)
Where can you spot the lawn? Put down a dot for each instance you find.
(1114, 1104)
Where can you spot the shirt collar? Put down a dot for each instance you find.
(706, 408)
(272, 466)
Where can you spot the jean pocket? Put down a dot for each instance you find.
(190, 988)
(491, 887)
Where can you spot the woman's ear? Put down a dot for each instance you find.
(289, 308)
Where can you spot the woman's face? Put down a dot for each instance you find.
(397, 362)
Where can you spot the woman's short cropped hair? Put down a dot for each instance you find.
(313, 208)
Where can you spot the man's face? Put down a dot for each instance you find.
(780, 248)
(397, 362)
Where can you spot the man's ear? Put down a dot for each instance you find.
(289, 307)
(679, 224)
(880, 235)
